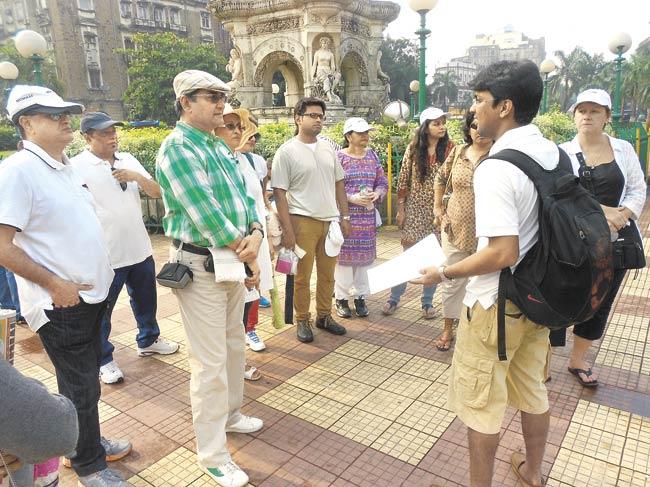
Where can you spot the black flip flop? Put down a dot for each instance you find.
(588, 373)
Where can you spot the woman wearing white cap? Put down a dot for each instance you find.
(610, 169)
(415, 193)
(365, 185)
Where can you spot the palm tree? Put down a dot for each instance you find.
(577, 70)
(444, 88)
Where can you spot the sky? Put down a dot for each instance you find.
(564, 23)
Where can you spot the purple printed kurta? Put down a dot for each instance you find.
(360, 248)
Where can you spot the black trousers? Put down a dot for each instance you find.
(593, 328)
(72, 340)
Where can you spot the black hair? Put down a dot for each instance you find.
(517, 81)
(346, 142)
(178, 106)
(303, 103)
(469, 118)
(420, 149)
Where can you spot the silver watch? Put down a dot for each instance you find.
(443, 277)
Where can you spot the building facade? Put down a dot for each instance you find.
(85, 34)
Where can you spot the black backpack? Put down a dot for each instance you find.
(563, 279)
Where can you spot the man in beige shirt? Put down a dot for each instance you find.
(307, 182)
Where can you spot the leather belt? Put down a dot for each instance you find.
(193, 249)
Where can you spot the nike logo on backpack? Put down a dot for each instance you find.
(531, 298)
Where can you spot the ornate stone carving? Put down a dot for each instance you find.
(274, 25)
(325, 73)
(350, 24)
(273, 59)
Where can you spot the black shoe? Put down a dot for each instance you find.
(360, 307)
(303, 331)
(327, 323)
(343, 308)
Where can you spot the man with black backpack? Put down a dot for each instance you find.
(499, 364)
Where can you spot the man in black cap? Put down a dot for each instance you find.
(51, 239)
(115, 179)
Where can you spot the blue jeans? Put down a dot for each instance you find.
(72, 341)
(140, 280)
(9, 292)
(427, 294)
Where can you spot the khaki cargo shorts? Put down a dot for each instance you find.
(481, 386)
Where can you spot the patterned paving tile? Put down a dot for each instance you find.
(361, 426)
(347, 391)
(337, 363)
(573, 468)
(286, 397)
(357, 349)
(370, 374)
(424, 368)
(390, 359)
(404, 443)
(385, 404)
(313, 379)
(422, 417)
(321, 411)
(405, 385)
(179, 468)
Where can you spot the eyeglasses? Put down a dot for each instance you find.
(214, 97)
(233, 126)
(315, 115)
(474, 126)
(55, 116)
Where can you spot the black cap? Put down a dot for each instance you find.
(97, 121)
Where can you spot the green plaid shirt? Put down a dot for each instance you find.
(205, 197)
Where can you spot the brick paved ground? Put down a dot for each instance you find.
(368, 409)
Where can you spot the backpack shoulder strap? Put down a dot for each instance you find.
(250, 159)
(584, 172)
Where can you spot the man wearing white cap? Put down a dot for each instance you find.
(115, 180)
(208, 215)
(51, 239)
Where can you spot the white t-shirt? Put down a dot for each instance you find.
(506, 203)
(120, 212)
(254, 189)
(57, 227)
(260, 165)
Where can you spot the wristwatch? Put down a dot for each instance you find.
(443, 276)
(258, 228)
(346, 217)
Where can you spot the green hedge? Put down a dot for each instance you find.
(8, 137)
(143, 143)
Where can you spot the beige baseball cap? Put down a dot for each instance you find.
(193, 79)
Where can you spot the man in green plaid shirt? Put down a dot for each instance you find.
(207, 207)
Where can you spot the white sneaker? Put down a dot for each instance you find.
(111, 373)
(246, 424)
(161, 346)
(254, 341)
(228, 475)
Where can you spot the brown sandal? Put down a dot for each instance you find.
(446, 342)
(389, 308)
(517, 459)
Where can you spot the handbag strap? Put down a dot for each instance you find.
(451, 170)
(584, 172)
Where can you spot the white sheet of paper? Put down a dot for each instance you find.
(406, 266)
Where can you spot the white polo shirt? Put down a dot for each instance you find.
(57, 227)
(506, 204)
(119, 212)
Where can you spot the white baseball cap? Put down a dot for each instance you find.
(37, 99)
(356, 124)
(229, 110)
(594, 95)
(431, 113)
(334, 239)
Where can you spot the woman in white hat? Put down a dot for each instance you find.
(365, 186)
(610, 169)
(415, 194)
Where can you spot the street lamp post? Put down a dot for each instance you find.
(414, 87)
(422, 7)
(8, 72)
(619, 45)
(546, 67)
(32, 45)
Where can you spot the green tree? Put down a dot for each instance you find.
(400, 61)
(577, 71)
(152, 65)
(636, 83)
(25, 67)
(444, 89)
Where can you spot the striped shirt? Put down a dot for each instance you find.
(205, 197)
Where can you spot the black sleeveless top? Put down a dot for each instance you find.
(607, 183)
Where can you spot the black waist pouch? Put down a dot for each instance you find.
(628, 249)
(174, 275)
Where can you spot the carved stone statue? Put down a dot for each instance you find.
(234, 67)
(325, 73)
(381, 76)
